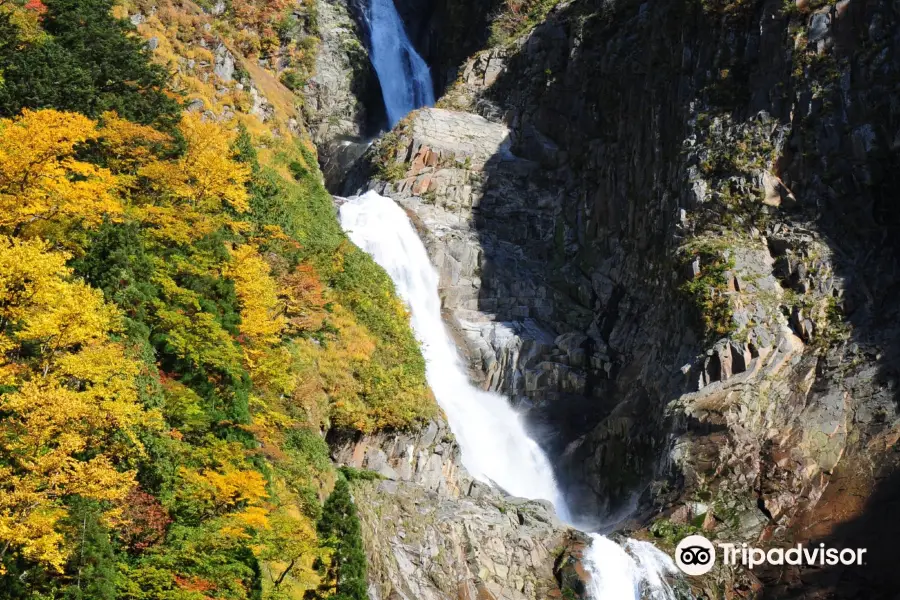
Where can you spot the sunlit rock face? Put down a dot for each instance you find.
(432, 531)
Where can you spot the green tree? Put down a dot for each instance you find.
(92, 567)
(339, 530)
(89, 62)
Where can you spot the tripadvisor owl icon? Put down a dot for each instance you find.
(695, 555)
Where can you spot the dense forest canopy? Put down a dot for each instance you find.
(181, 318)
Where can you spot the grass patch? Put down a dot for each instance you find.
(518, 17)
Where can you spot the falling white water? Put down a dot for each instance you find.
(495, 445)
(653, 565)
(404, 76)
(632, 572)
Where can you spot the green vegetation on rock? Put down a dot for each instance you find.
(388, 161)
(668, 534)
(517, 17)
(707, 290)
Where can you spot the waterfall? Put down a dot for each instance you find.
(495, 447)
(624, 573)
(404, 76)
(494, 442)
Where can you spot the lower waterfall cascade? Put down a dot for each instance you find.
(495, 445)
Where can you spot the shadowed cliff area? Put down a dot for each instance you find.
(667, 232)
(870, 523)
(655, 127)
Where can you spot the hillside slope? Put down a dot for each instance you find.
(181, 317)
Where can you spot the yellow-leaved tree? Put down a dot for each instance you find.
(71, 414)
(205, 177)
(262, 320)
(42, 180)
(127, 146)
(188, 198)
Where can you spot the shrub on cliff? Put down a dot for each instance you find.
(517, 17)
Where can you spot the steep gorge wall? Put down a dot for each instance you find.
(432, 532)
(670, 235)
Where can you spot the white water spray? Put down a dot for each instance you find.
(495, 445)
(404, 76)
(625, 573)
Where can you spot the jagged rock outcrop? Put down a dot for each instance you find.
(432, 532)
(668, 231)
(342, 99)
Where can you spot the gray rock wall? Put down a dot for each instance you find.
(667, 231)
(432, 532)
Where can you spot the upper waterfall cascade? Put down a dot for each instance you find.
(494, 442)
(404, 77)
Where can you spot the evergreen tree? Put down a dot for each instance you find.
(92, 568)
(90, 63)
(339, 529)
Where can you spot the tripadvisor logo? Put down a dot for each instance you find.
(696, 555)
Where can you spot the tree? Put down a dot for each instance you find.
(143, 522)
(261, 318)
(123, 146)
(92, 567)
(290, 541)
(70, 408)
(206, 178)
(304, 299)
(89, 62)
(339, 530)
(41, 179)
(199, 193)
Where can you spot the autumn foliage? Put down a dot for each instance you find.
(178, 331)
(36, 6)
(41, 179)
(181, 321)
(72, 409)
(143, 521)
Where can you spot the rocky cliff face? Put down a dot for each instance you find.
(432, 532)
(666, 231)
